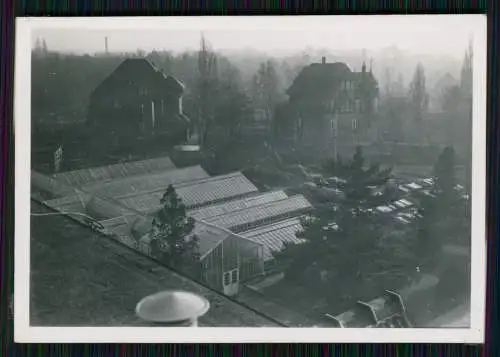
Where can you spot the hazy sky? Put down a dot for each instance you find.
(437, 34)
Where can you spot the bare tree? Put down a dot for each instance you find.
(208, 79)
(140, 53)
(400, 84)
(388, 84)
(40, 47)
(418, 93)
(266, 90)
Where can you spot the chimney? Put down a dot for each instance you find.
(172, 309)
(323, 60)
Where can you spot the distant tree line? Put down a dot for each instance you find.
(405, 116)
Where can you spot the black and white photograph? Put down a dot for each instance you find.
(250, 179)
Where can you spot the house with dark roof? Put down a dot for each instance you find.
(136, 101)
(328, 104)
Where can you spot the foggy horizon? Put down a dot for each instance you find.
(450, 35)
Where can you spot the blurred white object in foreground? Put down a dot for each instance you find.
(172, 308)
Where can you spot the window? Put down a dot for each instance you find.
(231, 277)
(227, 278)
(141, 118)
(153, 118)
(343, 107)
(162, 107)
(354, 123)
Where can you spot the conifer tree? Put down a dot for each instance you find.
(172, 240)
(444, 214)
(345, 241)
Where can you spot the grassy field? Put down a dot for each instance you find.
(79, 278)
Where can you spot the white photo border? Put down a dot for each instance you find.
(23, 332)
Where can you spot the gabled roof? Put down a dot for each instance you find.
(325, 78)
(48, 184)
(131, 185)
(209, 235)
(131, 66)
(196, 193)
(272, 236)
(101, 174)
(244, 219)
(319, 76)
(237, 204)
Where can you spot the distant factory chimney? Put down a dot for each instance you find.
(106, 44)
(172, 309)
(323, 59)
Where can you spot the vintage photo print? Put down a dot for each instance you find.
(250, 179)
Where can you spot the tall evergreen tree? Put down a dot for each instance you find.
(266, 89)
(444, 214)
(346, 243)
(172, 240)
